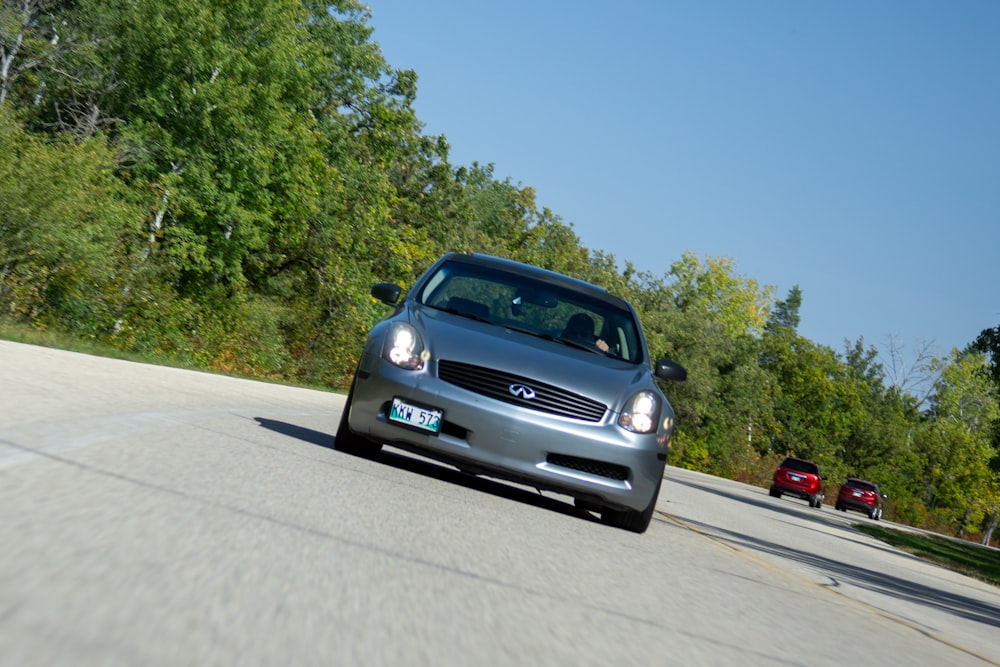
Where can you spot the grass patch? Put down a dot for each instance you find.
(957, 555)
(21, 333)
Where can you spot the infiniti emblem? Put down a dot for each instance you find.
(522, 391)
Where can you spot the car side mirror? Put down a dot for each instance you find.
(387, 293)
(670, 370)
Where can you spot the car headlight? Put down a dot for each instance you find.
(641, 413)
(403, 347)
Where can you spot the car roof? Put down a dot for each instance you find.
(858, 479)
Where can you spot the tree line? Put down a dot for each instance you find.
(222, 182)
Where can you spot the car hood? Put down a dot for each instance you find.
(594, 375)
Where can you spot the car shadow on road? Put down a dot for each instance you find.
(309, 435)
(838, 572)
(434, 470)
(765, 501)
(879, 582)
(783, 507)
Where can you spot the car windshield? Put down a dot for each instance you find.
(535, 307)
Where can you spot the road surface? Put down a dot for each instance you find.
(155, 516)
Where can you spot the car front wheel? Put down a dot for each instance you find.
(348, 441)
(632, 520)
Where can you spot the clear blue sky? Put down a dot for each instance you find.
(851, 148)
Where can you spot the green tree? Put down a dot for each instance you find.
(785, 314)
(216, 112)
(880, 414)
(988, 342)
(812, 398)
(954, 450)
(29, 39)
(65, 231)
(705, 316)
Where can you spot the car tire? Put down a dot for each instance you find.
(348, 441)
(816, 501)
(774, 492)
(839, 507)
(878, 514)
(632, 520)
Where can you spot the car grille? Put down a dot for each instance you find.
(600, 468)
(496, 384)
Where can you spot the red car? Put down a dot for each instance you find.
(862, 496)
(801, 478)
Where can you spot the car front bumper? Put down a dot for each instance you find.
(596, 461)
(804, 492)
(855, 504)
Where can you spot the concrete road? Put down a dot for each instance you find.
(153, 516)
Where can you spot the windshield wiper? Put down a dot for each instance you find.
(530, 332)
(555, 339)
(465, 313)
(571, 343)
(579, 345)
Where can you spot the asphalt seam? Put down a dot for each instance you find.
(714, 539)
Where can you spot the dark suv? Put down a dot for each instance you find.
(862, 496)
(801, 478)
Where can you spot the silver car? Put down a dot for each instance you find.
(510, 371)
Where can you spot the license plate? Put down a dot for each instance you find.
(796, 478)
(858, 494)
(414, 416)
